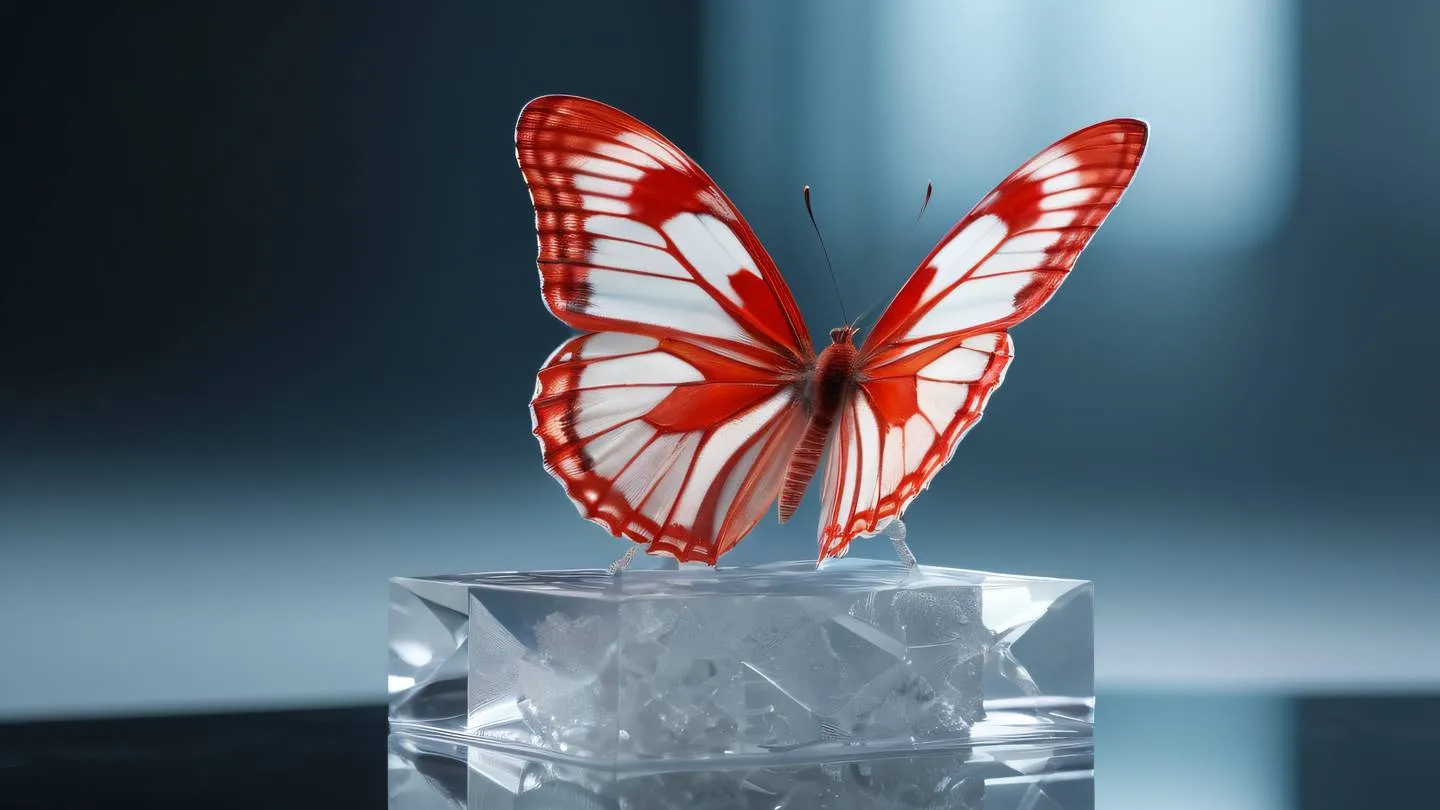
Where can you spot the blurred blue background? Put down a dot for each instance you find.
(271, 323)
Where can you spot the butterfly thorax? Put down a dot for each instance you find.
(834, 372)
(829, 385)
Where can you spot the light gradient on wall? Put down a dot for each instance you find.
(878, 99)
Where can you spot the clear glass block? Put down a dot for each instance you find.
(433, 774)
(766, 663)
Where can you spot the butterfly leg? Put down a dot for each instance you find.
(624, 562)
(895, 530)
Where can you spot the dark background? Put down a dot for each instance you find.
(271, 322)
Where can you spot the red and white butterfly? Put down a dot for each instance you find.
(693, 398)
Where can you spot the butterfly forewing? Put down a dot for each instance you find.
(671, 420)
(941, 347)
(635, 237)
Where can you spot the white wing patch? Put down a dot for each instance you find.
(634, 157)
(1030, 241)
(600, 410)
(940, 401)
(600, 185)
(624, 228)
(918, 438)
(653, 368)
(868, 463)
(723, 444)
(957, 365)
(1067, 199)
(893, 462)
(963, 252)
(1002, 263)
(619, 254)
(605, 168)
(669, 478)
(977, 302)
(1049, 163)
(610, 344)
(1062, 182)
(640, 476)
(657, 301)
(987, 342)
(604, 205)
(610, 450)
(712, 249)
(731, 487)
(1055, 220)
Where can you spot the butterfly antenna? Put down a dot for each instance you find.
(826, 251)
(924, 205)
(929, 189)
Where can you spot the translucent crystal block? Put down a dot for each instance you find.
(432, 774)
(765, 662)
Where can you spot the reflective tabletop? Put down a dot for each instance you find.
(1171, 751)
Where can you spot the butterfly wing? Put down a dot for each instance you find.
(635, 237)
(941, 348)
(671, 419)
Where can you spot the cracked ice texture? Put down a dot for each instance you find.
(741, 662)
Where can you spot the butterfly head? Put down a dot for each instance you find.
(844, 334)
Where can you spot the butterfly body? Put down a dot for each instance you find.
(692, 399)
(828, 387)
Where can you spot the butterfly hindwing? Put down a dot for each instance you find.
(900, 427)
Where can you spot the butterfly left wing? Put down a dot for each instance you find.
(671, 421)
(941, 348)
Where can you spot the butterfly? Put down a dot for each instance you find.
(693, 398)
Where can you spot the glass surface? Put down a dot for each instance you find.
(1177, 750)
(768, 663)
(430, 774)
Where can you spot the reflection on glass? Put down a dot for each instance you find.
(430, 774)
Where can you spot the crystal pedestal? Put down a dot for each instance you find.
(762, 665)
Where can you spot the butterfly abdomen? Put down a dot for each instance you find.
(834, 376)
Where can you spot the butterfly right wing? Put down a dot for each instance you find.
(672, 422)
(942, 346)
